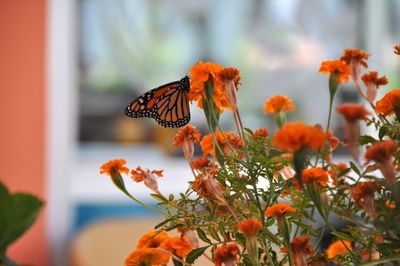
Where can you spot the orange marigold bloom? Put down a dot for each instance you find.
(397, 49)
(249, 227)
(226, 254)
(225, 141)
(365, 189)
(356, 55)
(146, 256)
(300, 249)
(152, 239)
(336, 66)
(278, 103)
(294, 136)
(381, 151)
(199, 163)
(260, 133)
(279, 209)
(139, 175)
(114, 166)
(372, 77)
(230, 73)
(372, 82)
(178, 245)
(353, 111)
(317, 175)
(390, 103)
(200, 73)
(338, 248)
(186, 133)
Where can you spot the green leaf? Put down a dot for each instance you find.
(18, 212)
(195, 254)
(342, 236)
(366, 140)
(203, 236)
(159, 197)
(355, 169)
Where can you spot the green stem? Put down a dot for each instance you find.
(143, 204)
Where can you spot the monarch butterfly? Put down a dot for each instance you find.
(167, 104)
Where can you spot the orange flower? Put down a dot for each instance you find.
(355, 55)
(249, 227)
(353, 111)
(335, 171)
(397, 49)
(186, 133)
(294, 136)
(372, 82)
(336, 66)
(278, 103)
(382, 153)
(224, 139)
(152, 239)
(260, 133)
(317, 175)
(200, 163)
(226, 254)
(231, 77)
(146, 256)
(390, 103)
(149, 178)
(300, 249)
(179, 246)
(200, 73)
(279, 209)
(390, 204)
(363, 194)
(230, 73)
(114, 166)
(186, 137)
(338, 248)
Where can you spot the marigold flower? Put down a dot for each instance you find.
(186, 137)
(363, 194)
(352, 111)
(178, 245)
(300, 249)
(260, 133)
(294, 136)
(338, 248)
(278, 103)
(335, 171)
(146, 256)
(149, 178)
(317, 175)
(191, 235)
(231, 77)
(390, 204)
(226, 254)
(372, 82)
(225, 141)
(336, 66)
(114, 166)
(249, 227)
(354, 58)
(382, 153)
(201, 162)
(152, 239)
(390, 103)
(397, 49)
(200, 73)
(279, 209)
(369, 254)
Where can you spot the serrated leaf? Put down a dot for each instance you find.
(195, 253)
(203, 236)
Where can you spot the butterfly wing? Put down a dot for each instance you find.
(167, 104)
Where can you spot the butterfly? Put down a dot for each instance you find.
(167, 104)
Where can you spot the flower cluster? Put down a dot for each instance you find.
(266, 197)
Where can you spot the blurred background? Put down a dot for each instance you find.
(69, 68)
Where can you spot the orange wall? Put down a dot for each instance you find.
(22, 101)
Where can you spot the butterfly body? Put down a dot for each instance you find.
(167, 104)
